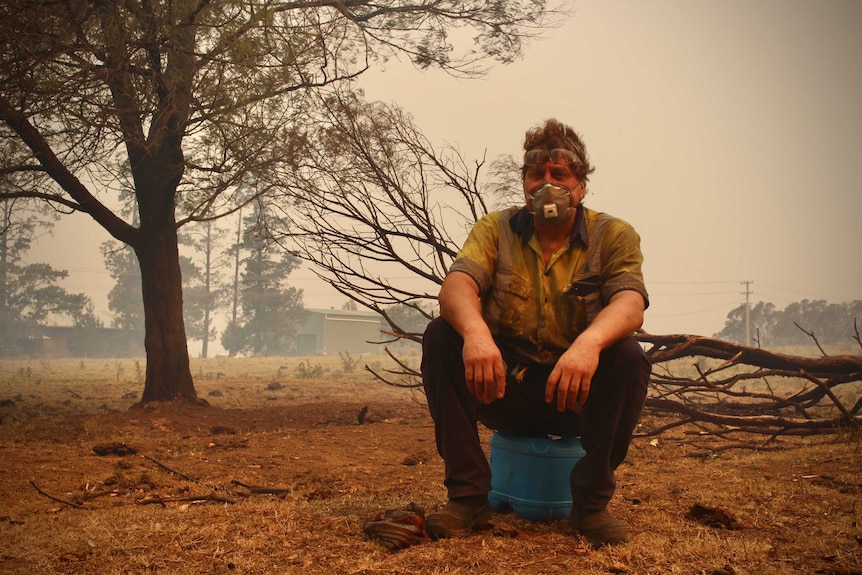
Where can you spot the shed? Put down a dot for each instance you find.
(330, 331)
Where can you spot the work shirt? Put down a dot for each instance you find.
(534, 309)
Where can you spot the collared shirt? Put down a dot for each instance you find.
(536, 309)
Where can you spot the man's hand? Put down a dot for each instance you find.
(569, 382)
(483, 363)
(484, 368)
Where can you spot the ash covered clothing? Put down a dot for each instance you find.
(536, 310)
(605, 427)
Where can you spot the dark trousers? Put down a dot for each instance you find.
(605, 427)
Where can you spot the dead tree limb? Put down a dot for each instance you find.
(408, 377)
(813, 338)
(57, 499)
(170, 470)
(734, 396)
(758, 423)
(670, 347)
(162, 500)
(856, 333)
(831, 395)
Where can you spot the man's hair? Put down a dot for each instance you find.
(554, 134)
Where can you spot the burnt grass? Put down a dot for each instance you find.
(280, 479)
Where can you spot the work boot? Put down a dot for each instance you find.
(599, 527)
(459, 518)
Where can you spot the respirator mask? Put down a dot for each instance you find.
(550, 203)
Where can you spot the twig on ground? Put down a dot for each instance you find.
(170, 470)
(159, 500)
(90, 495)
(57, 499)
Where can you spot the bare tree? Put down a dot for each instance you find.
(187, 97)
(376, 207)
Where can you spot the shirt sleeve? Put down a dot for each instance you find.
(479, 254)
(622, 261)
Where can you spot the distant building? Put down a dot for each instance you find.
(330, 331)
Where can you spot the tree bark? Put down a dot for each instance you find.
(168, 372)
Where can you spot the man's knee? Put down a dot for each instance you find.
(625, 364)
(627, 352)
(437, 330)
(441, 347)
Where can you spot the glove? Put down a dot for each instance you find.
(397, 528)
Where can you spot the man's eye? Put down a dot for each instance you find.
(535, 174)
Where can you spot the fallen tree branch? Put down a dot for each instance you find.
(856, 333)
(669, 347)
(744, 402)
(170, 470)
(833, 397)
(409, 377)
(742, 422)
(57, 499)
(162, 500)
(813, 337)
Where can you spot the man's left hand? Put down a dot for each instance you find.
(569, 382)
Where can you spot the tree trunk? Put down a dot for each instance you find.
(168, 373)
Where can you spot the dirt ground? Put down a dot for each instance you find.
(90, 486)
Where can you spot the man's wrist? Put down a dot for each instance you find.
(588, 340)
(479, 329)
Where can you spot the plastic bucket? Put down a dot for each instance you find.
(530, 475)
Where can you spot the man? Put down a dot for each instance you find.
(534, 337)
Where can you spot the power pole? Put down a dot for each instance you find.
(747, 294)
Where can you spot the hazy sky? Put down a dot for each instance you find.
(729, 133)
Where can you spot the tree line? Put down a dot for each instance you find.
(241, 285)
(796, 324)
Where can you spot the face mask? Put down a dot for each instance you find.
(550, 203)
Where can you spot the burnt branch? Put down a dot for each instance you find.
(733, 390)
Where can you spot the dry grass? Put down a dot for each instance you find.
(797, 503)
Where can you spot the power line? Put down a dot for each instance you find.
(700, 311)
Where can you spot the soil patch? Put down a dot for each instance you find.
(284, 481)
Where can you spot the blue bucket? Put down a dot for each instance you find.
(530, 475)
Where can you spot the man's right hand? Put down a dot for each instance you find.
(484, 368)
(483, 363)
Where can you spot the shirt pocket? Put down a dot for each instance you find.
(509, 302)
(581, 303)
